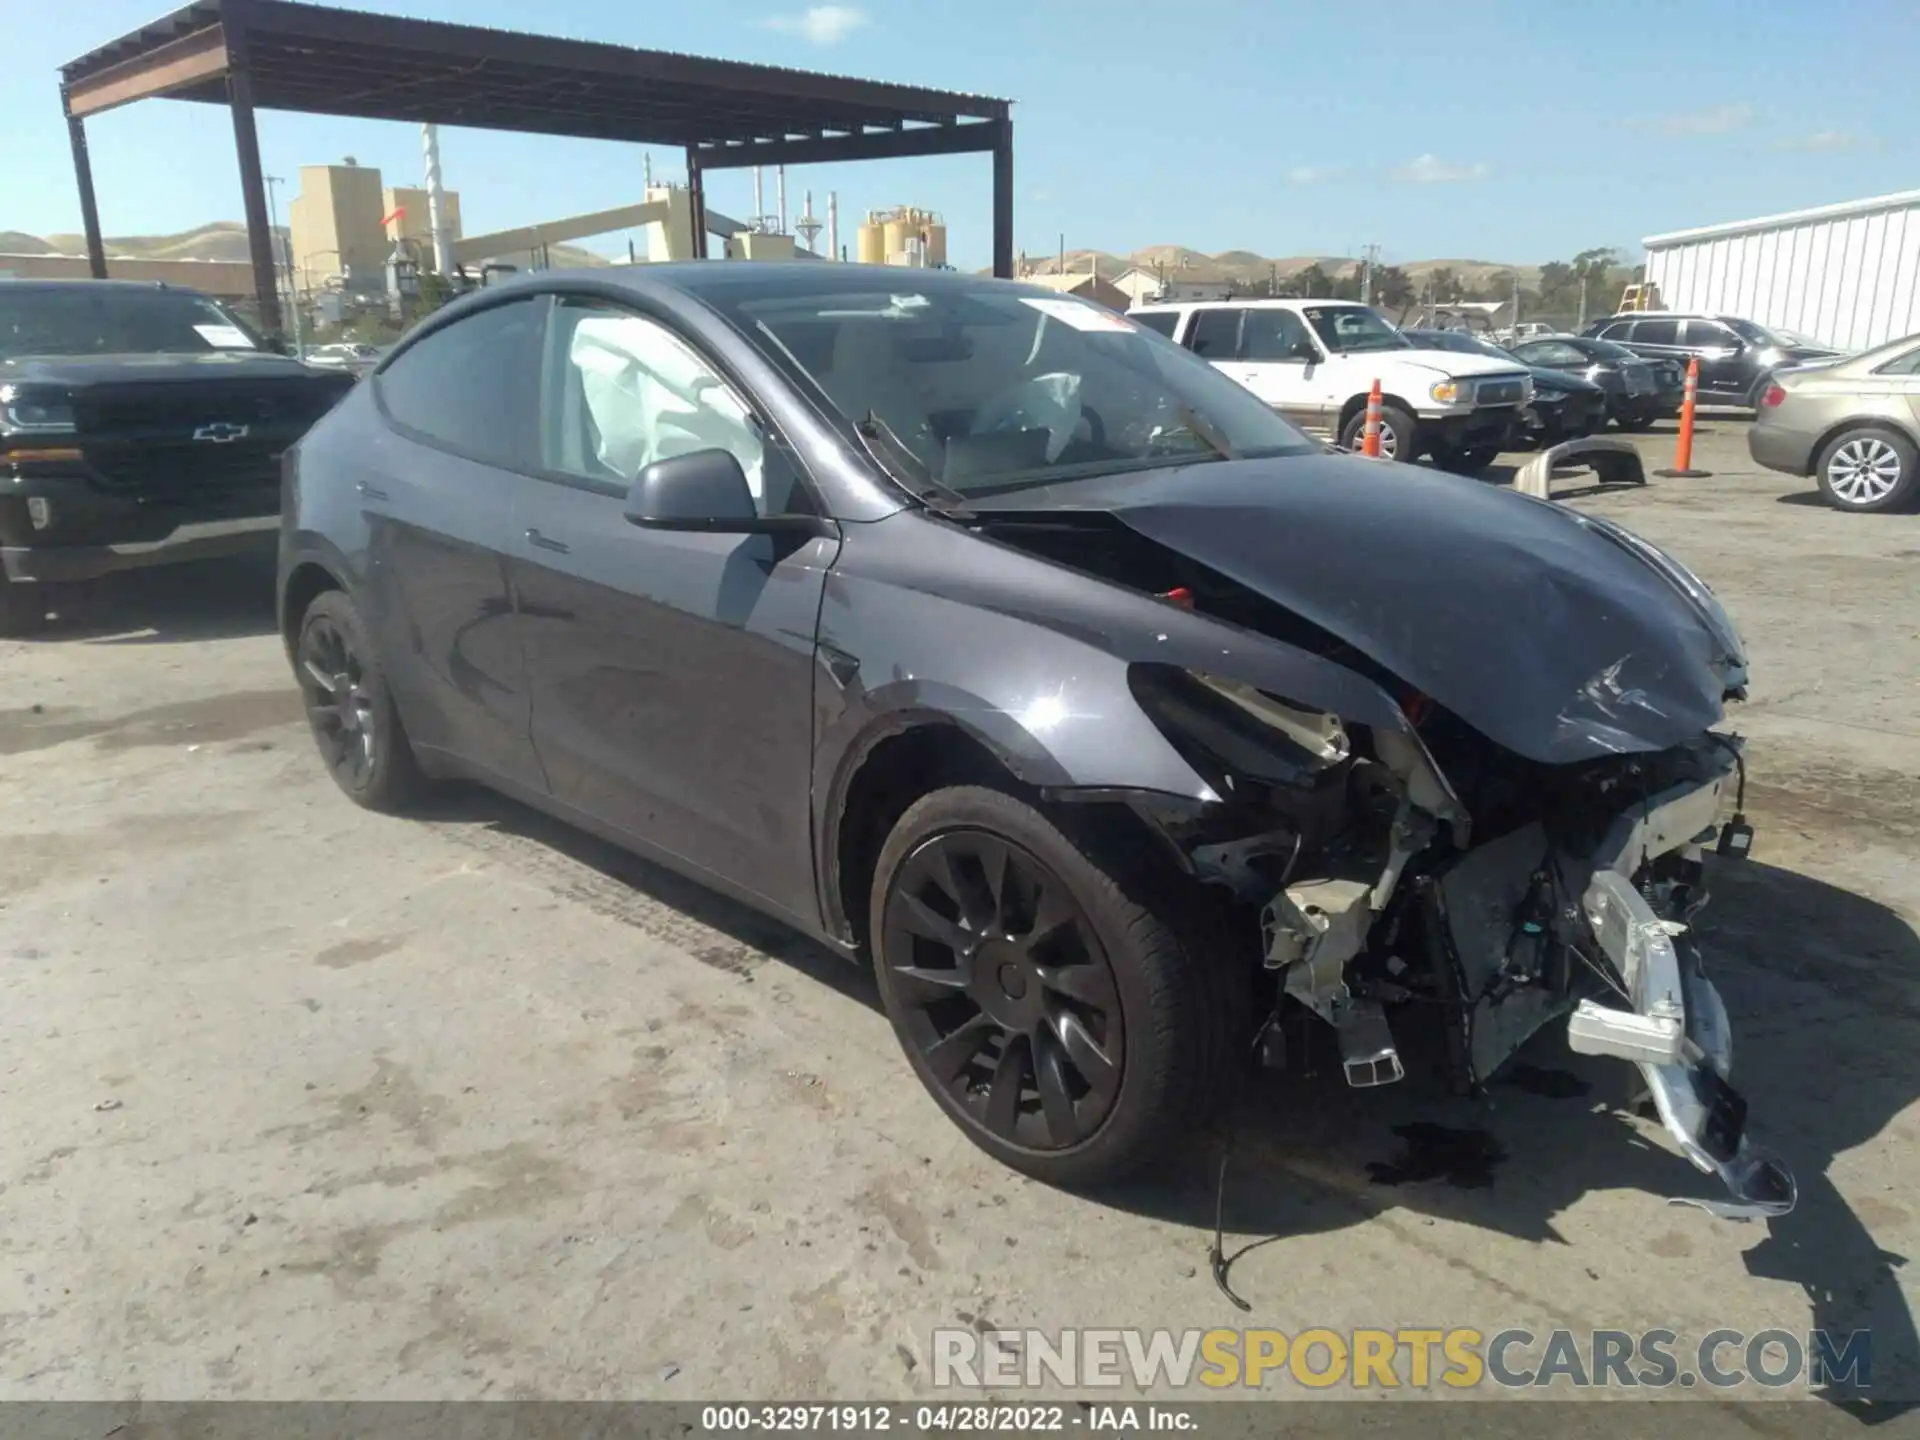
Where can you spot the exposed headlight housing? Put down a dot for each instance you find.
(25, 410)
(1452, 392)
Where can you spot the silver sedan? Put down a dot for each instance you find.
(1853, 425)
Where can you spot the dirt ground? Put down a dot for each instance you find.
(300, 1102)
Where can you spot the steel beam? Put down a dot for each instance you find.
(253, 194)
(89, 210)
(175, 65)
(881, 145)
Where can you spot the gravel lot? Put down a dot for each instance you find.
(303, 1102)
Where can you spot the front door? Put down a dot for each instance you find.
(1725, 373)
(438, 493)
(1280, 362)
(671, 671)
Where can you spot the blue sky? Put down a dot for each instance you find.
(1503, 131)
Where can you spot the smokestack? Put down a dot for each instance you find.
(780, 185)
(833, 225)
(436, 201)
(759, 200)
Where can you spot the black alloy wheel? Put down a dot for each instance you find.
(333, 682)
(349, 709)
(1004, 994)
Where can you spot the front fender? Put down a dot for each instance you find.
(1028, 658)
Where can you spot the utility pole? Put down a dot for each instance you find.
(1581, 323)
(293, 297)
(1370, 256)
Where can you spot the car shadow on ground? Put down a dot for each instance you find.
(1817, 979)
(201, 600)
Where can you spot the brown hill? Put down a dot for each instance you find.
(1245, 267)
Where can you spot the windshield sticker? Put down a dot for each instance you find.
(1080, 315)
(224, 337)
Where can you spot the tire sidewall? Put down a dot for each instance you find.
(1391, 417)
(1905, 489)
(1147, 1050)
(387, 776)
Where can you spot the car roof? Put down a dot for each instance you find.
(118, 285)
(1245, 302)
(704, 278)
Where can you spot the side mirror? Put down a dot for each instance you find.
(706, 490)
(1305, 353)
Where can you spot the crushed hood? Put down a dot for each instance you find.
(1555, 634)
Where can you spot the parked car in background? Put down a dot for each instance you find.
(1564, 406)
(139, 425)
(1635, 394)
(1853, 425)
(1736, 356)
(1316, 360)
(1010, 650)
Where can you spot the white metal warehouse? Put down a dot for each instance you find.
(1847, 275)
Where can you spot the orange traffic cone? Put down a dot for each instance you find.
(1683, 447)
(1370, 436)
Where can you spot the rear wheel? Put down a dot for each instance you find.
(1634, 419)
(1050, 1002)
(23, 607)
(1397, 440)
(350, 709)
(1869, 471)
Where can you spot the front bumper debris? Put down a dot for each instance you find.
(1676, 1030)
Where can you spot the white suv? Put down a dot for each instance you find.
(1315, 361)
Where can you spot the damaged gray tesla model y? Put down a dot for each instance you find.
(1008, 647)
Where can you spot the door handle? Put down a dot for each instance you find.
(534, 537)
(371, 492)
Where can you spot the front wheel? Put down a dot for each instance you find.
(1869, 471)
(1053, 1005)
(1397, 440)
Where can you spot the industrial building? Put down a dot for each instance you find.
(342, 226)
(1846, 275)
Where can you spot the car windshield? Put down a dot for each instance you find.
(111, 320)
(1460, 342)
(977, 387)
(1353, 329)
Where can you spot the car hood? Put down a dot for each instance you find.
(1456, 362)
(80, 371)
(1555, 634)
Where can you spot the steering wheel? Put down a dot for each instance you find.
(1096, 426)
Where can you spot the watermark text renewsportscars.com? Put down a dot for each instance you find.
(1413, 1358)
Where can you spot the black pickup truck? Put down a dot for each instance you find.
(139, 425)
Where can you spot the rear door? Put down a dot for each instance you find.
(439, 494)
(1280, 362)
(671, 671)
(1903, 374)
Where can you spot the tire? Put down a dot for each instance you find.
(23, 607)
(1869, 471)
(1082, 953)
(1399, 434)
(350, 709)
(1472, 461)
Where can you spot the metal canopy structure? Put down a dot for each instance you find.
(319, 60)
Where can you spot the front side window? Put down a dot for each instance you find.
(1353, 329)
(97, 319)
(1268, 334)
(979, 386)
(1711, 334)
(469, 386)
(624, 391)
(1655, 332)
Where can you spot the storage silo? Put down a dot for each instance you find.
(870, 246)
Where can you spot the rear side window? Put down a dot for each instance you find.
(1655, 332)
(1163, 322)
(1215, 334)
(1907, 364)
(470, 387)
